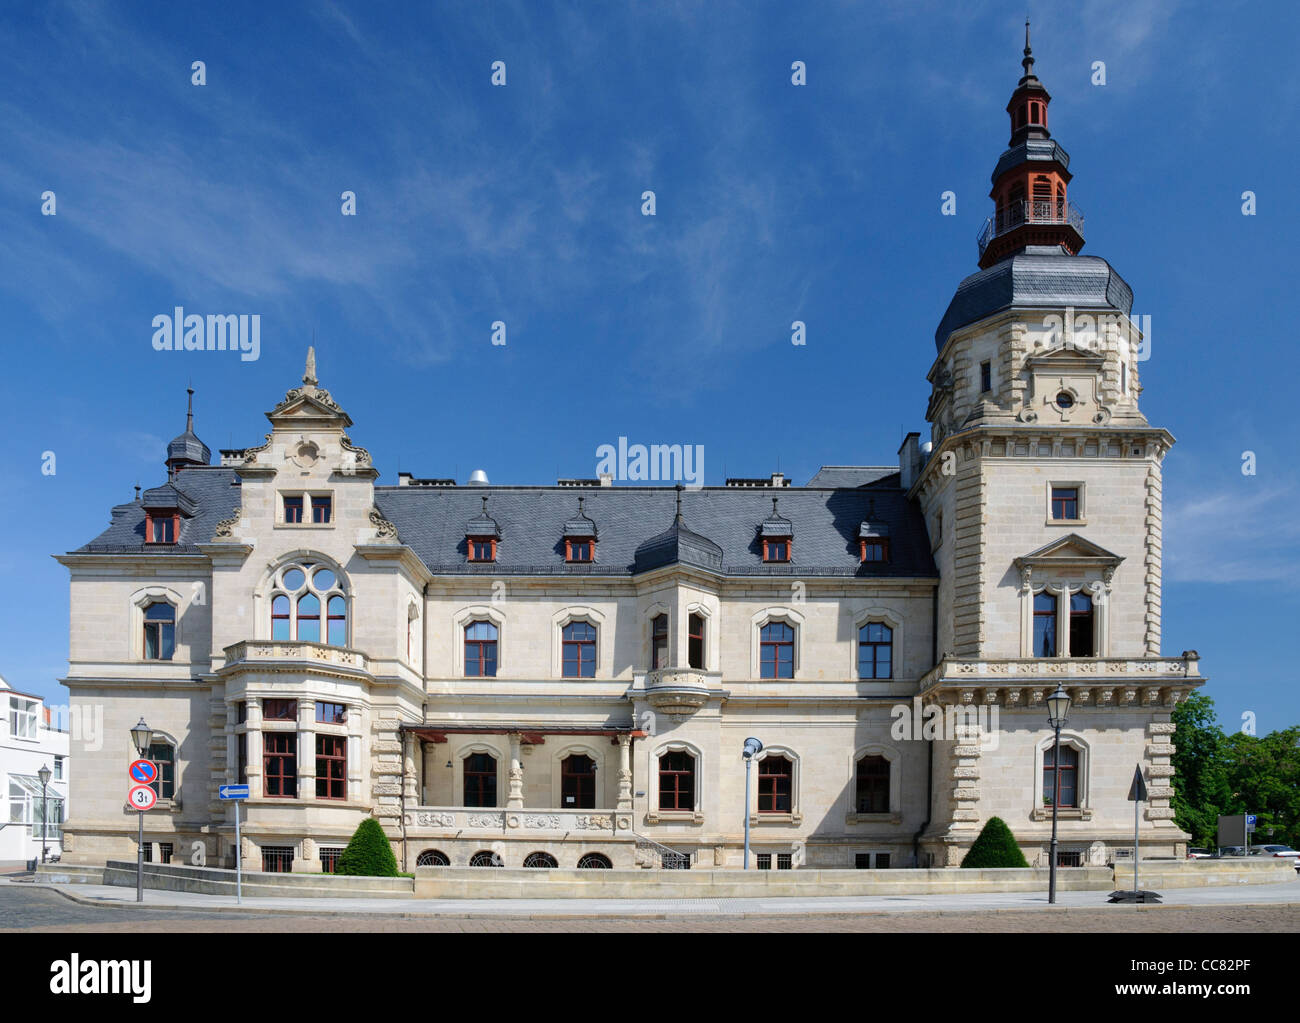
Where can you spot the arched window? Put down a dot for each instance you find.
(775, 785)
(159, 631)
(541, 860)
(432, 858)
(163, 754)
(480, 650)
(1044, 624)
(578, 782)
(299, 592)
(1081, 622)
(873, 784)
(659, 642)
(1066, 776)
(595, 861)
(776, 651)
(579, 654)
(486, 858)
(695, 641)
(875, 651)
(677, 781)
(480, 780)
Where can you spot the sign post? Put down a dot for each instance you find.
(236, 793)
(143, 798)
(1137, 794)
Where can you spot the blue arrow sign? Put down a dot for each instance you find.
(233, 791)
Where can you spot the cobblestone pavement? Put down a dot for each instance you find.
(29, 910)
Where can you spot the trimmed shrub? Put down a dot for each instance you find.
(369, 853)
(995, 847)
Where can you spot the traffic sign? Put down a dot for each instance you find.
(144, 772)
(1137, 792)
(1250, 822)
(142, 797)
(233, 791)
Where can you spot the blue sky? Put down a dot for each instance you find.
(522, 204)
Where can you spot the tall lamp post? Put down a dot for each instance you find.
(1058, 706)
(44, 774)
(752, 746)
(140, 735)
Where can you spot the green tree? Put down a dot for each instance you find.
(995, 847)
(1263, 776)
(1201, 787)
(368, 854)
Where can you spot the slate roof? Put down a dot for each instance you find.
(214, 497)
(841, 476)
(1039, 276)
(1031, 150)
(638, 531)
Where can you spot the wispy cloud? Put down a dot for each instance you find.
(1246, 532)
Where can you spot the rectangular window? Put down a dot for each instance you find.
(241, 711)
(322, 505)
(482, 550)
(331, 713)
(293, 508)
(882, 861)
(763, 861)
(22, 718)
(695, 625)
(280, 710)
(58, 768)
(1066, 777)
(1081, 625)
(162, 529)
(986, 377)
(1069, 858)
(784, 861)
(862, 861)
(146, 851)
(875, 549)
(1065, 503)
(241, 761)
(659, 642)
(329, 860)
(579, 550)
(165, 852)
(280, 765)
(277, 859)
(1044, 625)
(776, 550)
(331, 767)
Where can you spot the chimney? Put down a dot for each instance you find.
(403, 479)
(908, 458)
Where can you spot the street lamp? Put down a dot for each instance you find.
(44, 774)
(140, 735)
(1058, 706)
(752, 746)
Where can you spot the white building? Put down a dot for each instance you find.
(30, 740)
(565, 675)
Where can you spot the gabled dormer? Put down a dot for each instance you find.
(165, 509)
(482, 534)
(776, 535)
(873, 538)
(580, 538)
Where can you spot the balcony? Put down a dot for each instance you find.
(1032, 212)
(677, 690)
(252, 654)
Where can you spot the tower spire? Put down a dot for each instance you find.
(1028, 62)
(309, 374)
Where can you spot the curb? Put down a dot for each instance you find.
(246, 910)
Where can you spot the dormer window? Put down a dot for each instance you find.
(580, 537)
(873, 538)
(161, 527)
(481, 536)
(875, 548)
(482, 548)
(777, 534)
(317, 509)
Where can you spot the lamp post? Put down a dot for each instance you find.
(44, 774)
(140, 735)
(1058, 706)
(752, 746)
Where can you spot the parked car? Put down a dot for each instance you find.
(1284, 851)
(1232, 850)
(1202, 854)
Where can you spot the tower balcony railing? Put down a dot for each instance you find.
(1030, 211)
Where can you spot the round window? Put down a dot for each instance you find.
(1065, 400)
(323, 579)
(293, 579)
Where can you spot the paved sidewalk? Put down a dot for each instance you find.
(1287, 893)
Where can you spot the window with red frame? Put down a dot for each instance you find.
(482, 549)
(776, 651)
(776, 550)
(775, 785)
(695, 641)
(1066, 776)
(579, 655)
(480, 780)
(322, 505)
(659, 642)
(873, 785)
(331, 713)
(1065, 503)
(480, 650)
(280, 710)
(578, 551)
(162, 528)
(331, 767)
(677, 781)
(875, 549)
(280, 765)
(578, 782)
(293, 508)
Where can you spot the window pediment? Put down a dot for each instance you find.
(1071, 551)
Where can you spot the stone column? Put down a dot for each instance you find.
(624, 772)
(253, 746)
(306, 749)
(515, 800)
(410, 789)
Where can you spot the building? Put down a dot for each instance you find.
(566, 675)
(30, 740)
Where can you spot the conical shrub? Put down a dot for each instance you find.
(369, 853)
(995, 847)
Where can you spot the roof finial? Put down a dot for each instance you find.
(485, 504)
(1028, 62)
(189, 410)
(774, 507)
(137, 493)
(580, 500)
(679, 503)
(309, 374)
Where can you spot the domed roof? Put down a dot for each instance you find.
(678, 544)
(186, 448)
(1034, 278)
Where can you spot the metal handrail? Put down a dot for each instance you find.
(1029, 211)
(669, 859)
